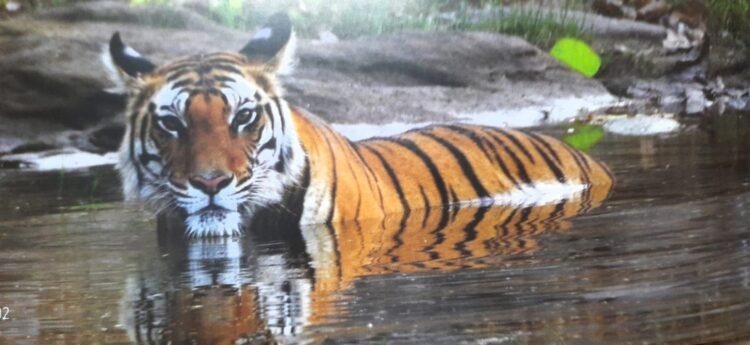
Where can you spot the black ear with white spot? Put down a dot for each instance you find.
(126, 59)
(271, 44)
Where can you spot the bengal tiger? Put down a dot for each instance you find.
(211, 137)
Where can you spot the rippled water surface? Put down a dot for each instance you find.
(664, 260)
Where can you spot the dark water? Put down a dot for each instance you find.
(664, 260)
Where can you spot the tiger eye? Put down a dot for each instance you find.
(171, 124)
(244, 116)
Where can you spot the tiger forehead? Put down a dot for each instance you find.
(214, 71)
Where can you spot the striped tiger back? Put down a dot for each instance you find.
(437, 166)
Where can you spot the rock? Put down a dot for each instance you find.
(52, 82)
(416, 77)
(695, 101)
(327, 36)
(652, 11)
(609, 8)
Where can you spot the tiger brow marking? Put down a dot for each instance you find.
(178, 74)
(463, 162)
(226, 68)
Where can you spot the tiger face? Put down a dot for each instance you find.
(209, 135)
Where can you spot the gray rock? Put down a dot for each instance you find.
(52, 81)
(695, 100)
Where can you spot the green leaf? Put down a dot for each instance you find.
(577, 55)
(584, 136)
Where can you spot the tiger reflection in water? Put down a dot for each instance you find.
(266, 290)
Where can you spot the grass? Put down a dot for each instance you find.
(540, 26)
(357, 18)
(732, 16)
(351, 19)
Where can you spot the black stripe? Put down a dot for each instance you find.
(520, 166)
(178, 74)
(552, 166)
(281, 113)
(516, 142)
(500, 162)
(471, 232)
(392, 176)
(438, 232)
(504, 227)
(370, 175)
(334, 181)
(354, 174)
(182, 83)
(138, 172)
(269, 114)
(145, 157)
(268, 145)
(466, 167)
(454, 209)
(580, 162)
(480, 142)
(426, 207)
(223, 79)
(221, 60)
(427, 160)
(547, 146)
(226, 68)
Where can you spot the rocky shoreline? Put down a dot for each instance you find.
(53, 88)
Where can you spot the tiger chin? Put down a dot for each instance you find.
(210, 138)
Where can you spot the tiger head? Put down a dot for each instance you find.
(209, 135)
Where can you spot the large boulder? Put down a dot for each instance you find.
(52, 83)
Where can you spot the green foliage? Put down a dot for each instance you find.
(584, 136)
(732, 16)
(577, 55)
(356, 18)
(538, 25)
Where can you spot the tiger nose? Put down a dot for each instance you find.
(210, 183)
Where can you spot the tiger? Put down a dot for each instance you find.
(211, 137)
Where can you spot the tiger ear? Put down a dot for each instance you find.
(124, 63)
(272, 45)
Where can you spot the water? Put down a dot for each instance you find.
(664, 260)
